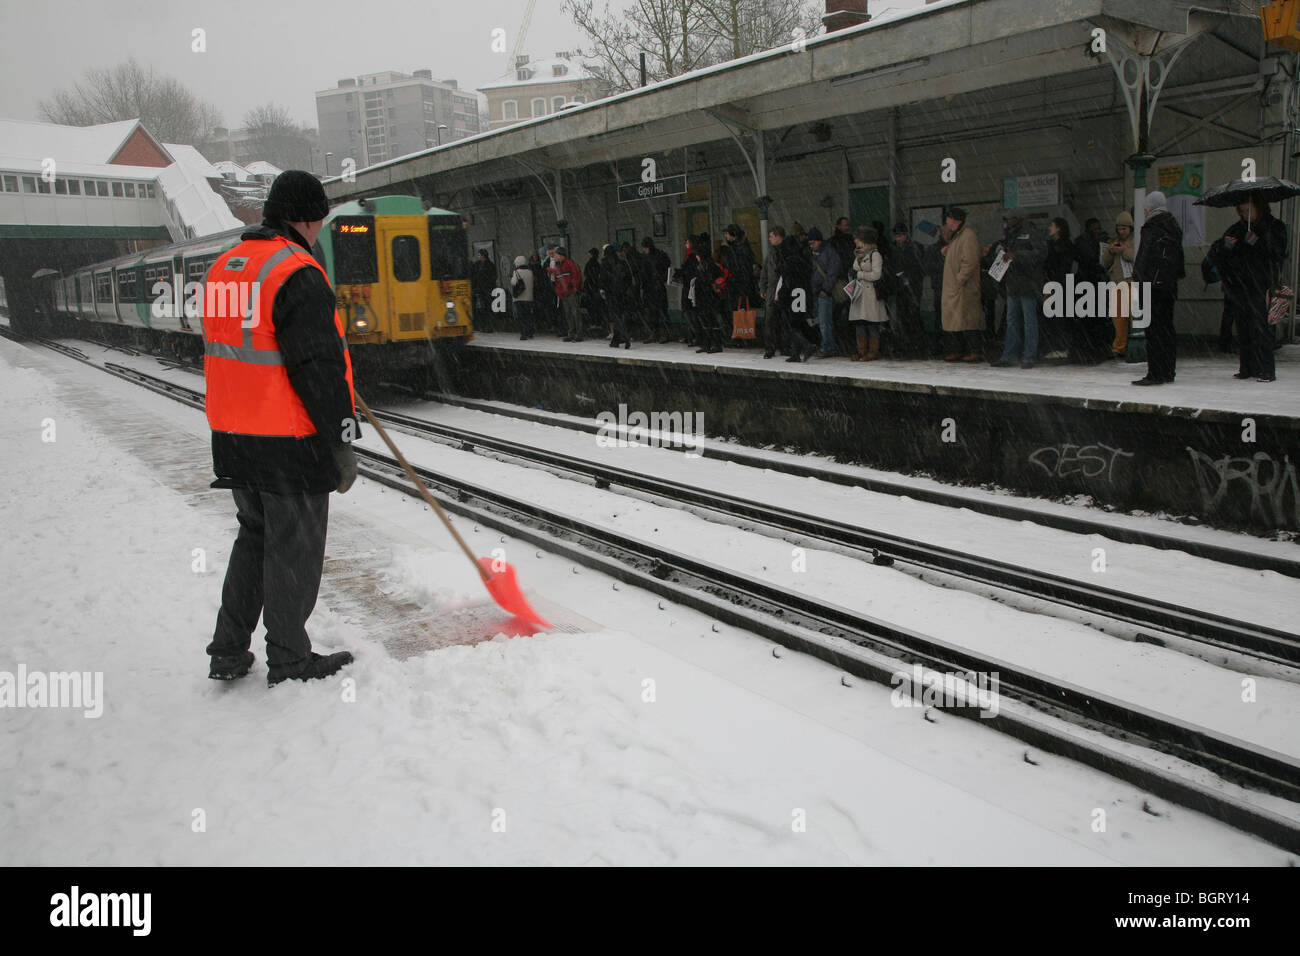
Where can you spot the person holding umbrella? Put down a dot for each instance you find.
(1255, 245)
(1249, 259)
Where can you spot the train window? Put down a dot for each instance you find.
(42, 186)
(448, 248)
(102, 187)
(61, 187)
(117, 190)
(126, 285)
(148, 190)
(354, 250)
(103, 287)
(11, 184)
(74, 187)
(29, 184)
(406, 258)
(130, 190)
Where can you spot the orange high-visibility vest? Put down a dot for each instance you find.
(248, 389)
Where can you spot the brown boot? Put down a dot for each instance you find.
(873, 351)
(861, 354)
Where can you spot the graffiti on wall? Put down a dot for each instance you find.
(1067, 460)
(1266, 487)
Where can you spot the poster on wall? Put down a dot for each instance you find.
(550, 242)
(1028, 192)
(926, 223)
(486, 245)
(660, 225)
(1183, 184)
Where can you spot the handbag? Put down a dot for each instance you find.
(1279, 304)
(838, 295)
(744, 320)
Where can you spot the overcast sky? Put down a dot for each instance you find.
(269, 50)
(260, 50)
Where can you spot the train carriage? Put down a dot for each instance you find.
(401, 274)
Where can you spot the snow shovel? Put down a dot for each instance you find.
(502, 584)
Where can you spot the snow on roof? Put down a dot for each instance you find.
(25, 164)
(542, 72)
(198, 205)
(261, 168)
(66, 144)
(230, 169)
(192, 159)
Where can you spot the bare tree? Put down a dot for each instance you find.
(273, 136)
(130, 91)
(750, 26)
(678, 36)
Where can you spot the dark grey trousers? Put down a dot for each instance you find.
(274, 572)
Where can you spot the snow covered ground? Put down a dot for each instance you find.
(1203, 383)
(648, 738)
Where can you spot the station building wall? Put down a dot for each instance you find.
(1075, 125)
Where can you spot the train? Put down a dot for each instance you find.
(400, 273)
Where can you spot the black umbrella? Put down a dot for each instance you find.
(1267, 189)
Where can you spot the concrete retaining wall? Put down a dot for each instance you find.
(1132, 456)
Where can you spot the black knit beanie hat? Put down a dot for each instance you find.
(296, 196)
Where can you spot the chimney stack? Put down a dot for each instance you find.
(842, 14)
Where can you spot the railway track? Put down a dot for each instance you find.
(1208, 629)
(1048, 714)
(1009, 509)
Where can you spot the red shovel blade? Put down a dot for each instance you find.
(504, 589)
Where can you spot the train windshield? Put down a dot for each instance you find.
(448, 248)
(354, 250)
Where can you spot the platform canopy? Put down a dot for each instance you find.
(938, 53)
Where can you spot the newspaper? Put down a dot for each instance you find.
(1000, 266)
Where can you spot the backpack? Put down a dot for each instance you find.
(517, 286)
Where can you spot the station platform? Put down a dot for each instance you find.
(1206, 448)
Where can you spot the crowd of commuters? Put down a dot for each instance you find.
(858, 293)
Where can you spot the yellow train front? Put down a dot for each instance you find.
(401, 274)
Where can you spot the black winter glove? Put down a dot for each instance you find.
(346, 460)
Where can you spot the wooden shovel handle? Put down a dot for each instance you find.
(424, 492)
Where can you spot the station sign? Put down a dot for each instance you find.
(1031, 191)
(668, 186)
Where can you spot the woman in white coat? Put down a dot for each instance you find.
(867, 312)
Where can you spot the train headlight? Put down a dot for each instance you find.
(361, 324)
(450, 317)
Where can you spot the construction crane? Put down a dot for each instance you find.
(523, 35)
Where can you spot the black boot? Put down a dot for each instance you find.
(232, 667)
(314, 668)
